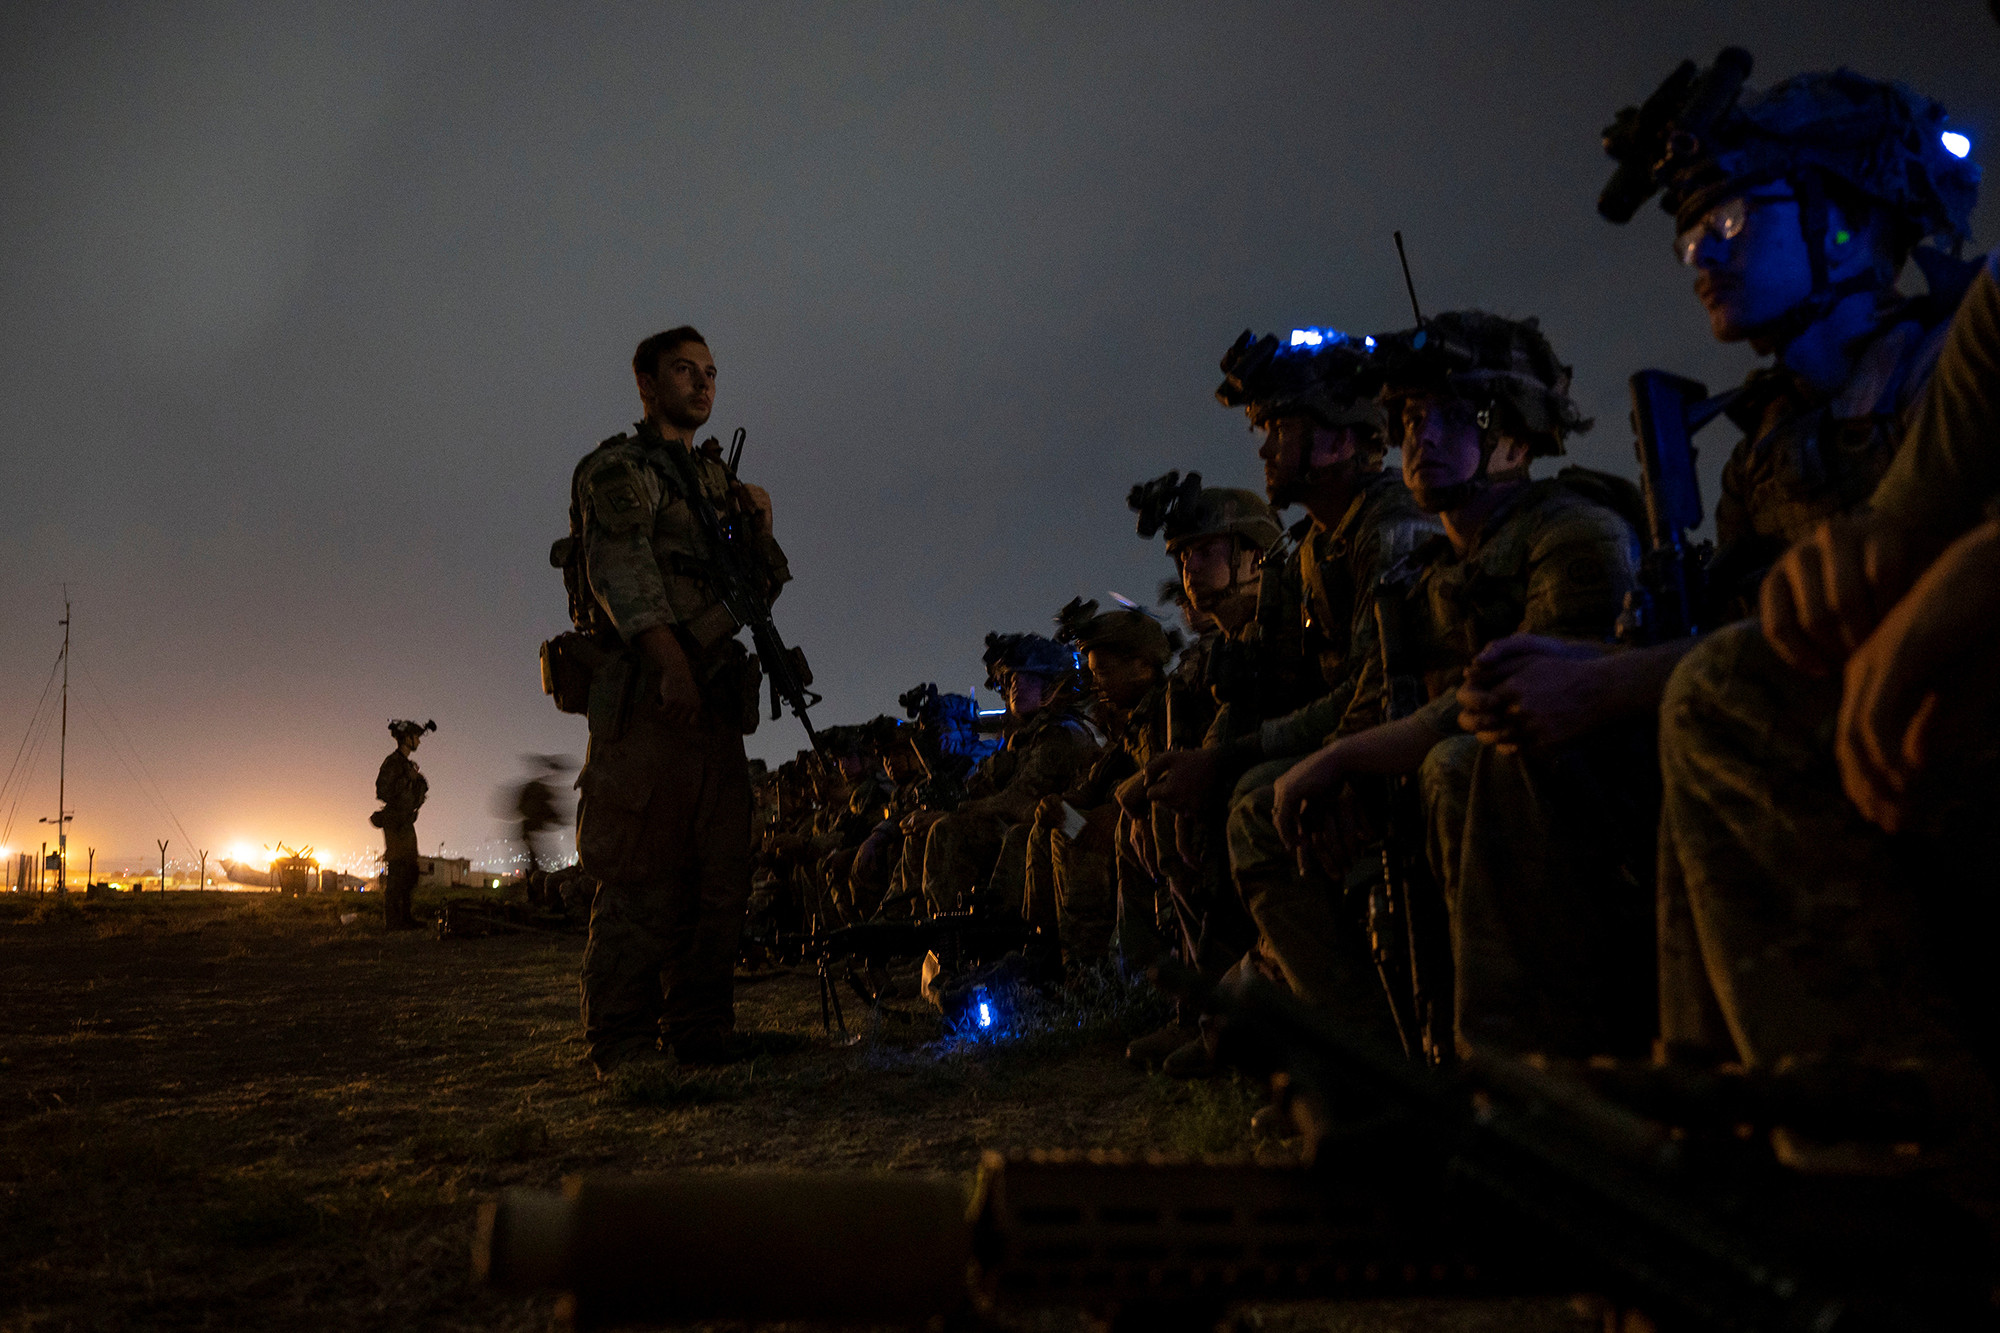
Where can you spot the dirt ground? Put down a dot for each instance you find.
(233, 1111)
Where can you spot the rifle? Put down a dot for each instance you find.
(739, 585)
(959, 939)
(1671, 601)
(1409, 934)
(1498, 1177)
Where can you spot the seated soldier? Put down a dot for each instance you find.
(1831, 777)
(1796, 208)
(950, 744)
(872, 876)
(1538, 854)
(1048, 746)
(1070, 895)
(1218, 538)
(1323, 448)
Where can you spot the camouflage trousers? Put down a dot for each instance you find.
(664, 827)
(399, 883)
(1789, 926)
(1070, 885)
(959, 856)
(1545, 861)
(1307, 929)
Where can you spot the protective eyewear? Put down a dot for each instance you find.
(1725, 222)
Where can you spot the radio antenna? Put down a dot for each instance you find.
(1407, 283)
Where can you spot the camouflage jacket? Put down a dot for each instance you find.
(1044, 756)
(645, 554)
(1807, 456)
(1338, 570)
(1550, 561)
(401, 788)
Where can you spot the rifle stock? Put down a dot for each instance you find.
(1667, 411)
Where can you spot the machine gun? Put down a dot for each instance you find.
(738, 581)
(1671, 601)
(1498, 1177)
(959, 939)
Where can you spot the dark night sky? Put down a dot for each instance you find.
(306, 319)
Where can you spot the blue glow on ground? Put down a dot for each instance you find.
(985, 1014)
(1958, 145)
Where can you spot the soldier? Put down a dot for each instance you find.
(664, 819)
(1048, 746)
(1073, 868)
(401, 788)
(1324, 444)
(1220, 538)
(1797, 208)
(1793, 926)
(1830, 782)
(1544, 932)
(535, 809)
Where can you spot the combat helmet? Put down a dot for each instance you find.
(1027, 654)
(1126, 630)
(1189, 511)
(1316, 373)
(400, 727)
(1704, 137)
(1498, 365)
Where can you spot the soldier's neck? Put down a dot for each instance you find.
(1464, 524)
(668, 431)
(1329, 504)
(1824, 355)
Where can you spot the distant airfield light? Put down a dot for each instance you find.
(1958, 145)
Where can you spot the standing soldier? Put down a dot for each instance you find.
(663, 823)
(401, 788)
(535, 808)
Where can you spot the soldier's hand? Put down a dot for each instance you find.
(680, 700)
(1184, 780)
(1830, 591)
(1919, 685)
(1532, 690)
(1309, 783)
(919, 821)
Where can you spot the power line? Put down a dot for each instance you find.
(158, 794)
(33, 719)
(38, 734)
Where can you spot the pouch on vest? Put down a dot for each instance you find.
(568, 661)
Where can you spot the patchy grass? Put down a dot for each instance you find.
(230, 1110)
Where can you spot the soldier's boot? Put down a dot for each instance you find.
(1155, 1047)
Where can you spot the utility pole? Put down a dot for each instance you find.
(204, 868)
(90, 869)
(61, 821)
(163, 864)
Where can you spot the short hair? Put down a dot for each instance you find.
(646, 360)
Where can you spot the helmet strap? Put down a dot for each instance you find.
(1825, 294)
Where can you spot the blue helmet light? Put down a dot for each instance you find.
(1314, 337)
(982, 1007)
(1958, 145)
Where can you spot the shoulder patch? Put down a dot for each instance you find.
(618, 501)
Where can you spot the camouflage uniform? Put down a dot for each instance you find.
(664, 819)
(1337, 571)
(401, 788)
(1543, 856)
(1790, 926)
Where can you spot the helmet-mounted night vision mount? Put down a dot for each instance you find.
(402, 726)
